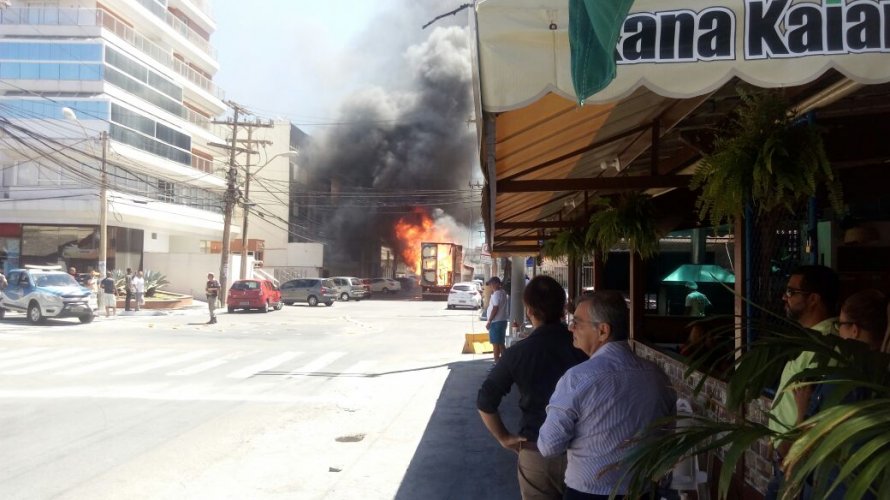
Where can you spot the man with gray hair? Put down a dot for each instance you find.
(603, 403)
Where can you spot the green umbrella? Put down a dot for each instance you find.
(700, 273)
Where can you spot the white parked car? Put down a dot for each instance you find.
(47, 293)
(464, 294)
(385, 285)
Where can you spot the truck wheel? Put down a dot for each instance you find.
(34, 314)
(313, 300)
(86, 318)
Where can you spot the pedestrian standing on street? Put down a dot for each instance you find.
(534, 365)
(109, 295)
(602, 404)
(212, 290)
(73, 272)
(128, 287)
(496, 324)
(139, 289)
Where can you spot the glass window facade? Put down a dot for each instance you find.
(141, 81)
(78, 246)
(35, 51)
(50, 71)
(43, 109)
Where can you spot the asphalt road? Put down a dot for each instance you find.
(368, 399)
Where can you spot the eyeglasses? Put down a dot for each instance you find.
(573, 322)
(791, 292)
(838, 324)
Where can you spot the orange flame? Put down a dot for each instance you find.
(413, 230)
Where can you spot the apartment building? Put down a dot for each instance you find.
(120, 91)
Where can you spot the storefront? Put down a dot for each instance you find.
(68, 246)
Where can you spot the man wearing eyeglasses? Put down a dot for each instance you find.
(599, 406)
(533, 365)
(811, 300)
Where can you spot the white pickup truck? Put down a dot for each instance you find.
(46, 293)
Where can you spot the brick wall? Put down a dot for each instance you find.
(711, 402)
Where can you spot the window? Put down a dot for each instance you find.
(166, 191)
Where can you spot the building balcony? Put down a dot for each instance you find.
(100, 18)
(179, 26)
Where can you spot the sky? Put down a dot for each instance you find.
(299, 59)
(388, 103)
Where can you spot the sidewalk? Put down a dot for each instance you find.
(197, 307)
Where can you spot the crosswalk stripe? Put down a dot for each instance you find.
(139, 356)
(264, 365)
(40, 356)
(209, 364)
(21, 352)
(58, 363)
(182, 358)
(360, 368)
(319, 363)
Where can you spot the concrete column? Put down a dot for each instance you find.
(517, 286)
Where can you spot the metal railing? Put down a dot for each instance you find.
(197, 118)
(202, 164)
(180, 27)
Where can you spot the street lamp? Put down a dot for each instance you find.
(69, 114)
(246, 204)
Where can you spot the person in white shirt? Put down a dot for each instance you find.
(498, 317)
(602, 404)
(139, 289)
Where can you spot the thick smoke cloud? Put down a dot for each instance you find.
(414, 134)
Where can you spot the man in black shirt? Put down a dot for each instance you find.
(109, 294)
(534, 365)
(212, 290)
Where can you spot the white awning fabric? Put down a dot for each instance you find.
(683, 48)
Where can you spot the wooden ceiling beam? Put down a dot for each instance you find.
(535, 224)
(595, 183)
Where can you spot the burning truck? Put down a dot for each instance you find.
(440, 265)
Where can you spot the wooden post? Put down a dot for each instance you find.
(739, 265)
(637, 295)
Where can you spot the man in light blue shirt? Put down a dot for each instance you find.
(603, 403)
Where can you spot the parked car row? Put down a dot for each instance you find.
(265, 296)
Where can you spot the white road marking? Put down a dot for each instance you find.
(210, 364)
(182, 358)
(264, 365)
(319, 363)
(21, 352)
(139, 356)
(49, 365)
(41, 356)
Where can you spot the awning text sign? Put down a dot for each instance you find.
(685, 48)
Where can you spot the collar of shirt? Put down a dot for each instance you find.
(612, 347)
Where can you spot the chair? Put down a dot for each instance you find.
(687, 476)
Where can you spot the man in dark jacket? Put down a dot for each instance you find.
(534, 365)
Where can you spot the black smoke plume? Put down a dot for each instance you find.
(416, 138)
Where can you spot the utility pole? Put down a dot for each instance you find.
(229, 198)
(246, 195)
(103, 207)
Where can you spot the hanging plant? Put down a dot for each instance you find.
(570, 243)
(767, 158)
(631, 219)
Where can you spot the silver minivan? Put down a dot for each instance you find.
(349, 287)
(309, 290)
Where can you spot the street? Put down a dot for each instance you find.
(369, 399)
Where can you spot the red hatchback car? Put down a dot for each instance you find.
(254, 294)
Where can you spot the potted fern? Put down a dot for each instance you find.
(631, 220)
(766, 159)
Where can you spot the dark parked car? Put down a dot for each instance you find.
(254, 294)
(309, 290)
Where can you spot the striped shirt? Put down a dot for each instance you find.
(597, 407)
